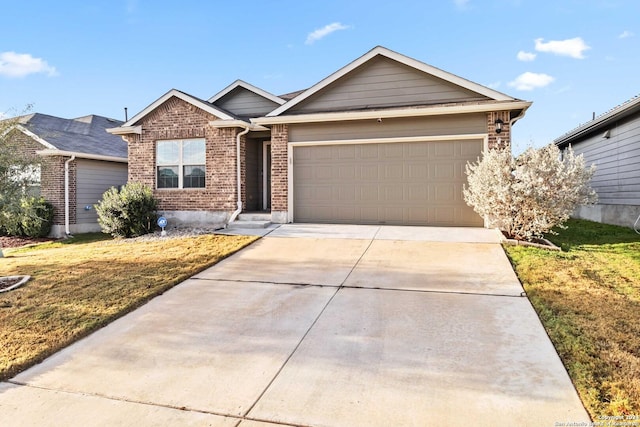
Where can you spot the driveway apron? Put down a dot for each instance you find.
(318, 325)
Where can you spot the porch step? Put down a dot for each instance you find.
(249, 224)
(254, 216)
(252, 220)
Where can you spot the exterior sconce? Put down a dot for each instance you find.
(499, 124)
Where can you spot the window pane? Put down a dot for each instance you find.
(168, 152)
(167, 176)
(193, 152)
(193, 177)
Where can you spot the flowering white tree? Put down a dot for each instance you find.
(528, 195)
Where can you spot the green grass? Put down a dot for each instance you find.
(588, 298)
(81, 284)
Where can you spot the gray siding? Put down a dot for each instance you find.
(94, 177)
(617, 159)
(245, 103)
(459, 124)
(383, 82)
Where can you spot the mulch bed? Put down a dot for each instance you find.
(16, 242)
(7, 282)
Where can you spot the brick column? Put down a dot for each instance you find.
(502, 139)
(279, 173)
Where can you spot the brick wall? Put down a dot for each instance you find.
(279, 161)
(177, 119)
(51, 176)
(502, 139)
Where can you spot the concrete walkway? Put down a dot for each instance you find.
(318, 326)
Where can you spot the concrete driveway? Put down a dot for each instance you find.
(318, 325)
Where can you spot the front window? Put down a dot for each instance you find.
(181, 163)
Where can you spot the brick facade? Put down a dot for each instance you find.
(502, 139)
(51, 176)
(279, 167)
(177, 119)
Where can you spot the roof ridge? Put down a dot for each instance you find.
(618, 107)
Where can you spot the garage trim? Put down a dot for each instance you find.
(434, 138)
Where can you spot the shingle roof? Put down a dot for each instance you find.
(86, 134)
(618, 112)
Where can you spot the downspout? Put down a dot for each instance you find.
(67, 232)
(238, 176)
(516, 118)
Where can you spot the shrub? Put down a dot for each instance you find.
(32, 217)
(528, 195)
(129, 212)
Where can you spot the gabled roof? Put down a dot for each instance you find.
(242, 84)
(601, 122)
(83, 135)
(197, 102)
(382, 51)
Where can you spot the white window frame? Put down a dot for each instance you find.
(181, 164)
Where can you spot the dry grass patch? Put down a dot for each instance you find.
(588, 299)
(80, 285)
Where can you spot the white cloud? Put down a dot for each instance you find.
(461, 4)
(526, 56)
(494, 85)
(626, 34)
(530, 81)
(573, 48)
(22, 64)
(325, 31)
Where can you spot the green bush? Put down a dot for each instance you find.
(32, 217)
(129, 212)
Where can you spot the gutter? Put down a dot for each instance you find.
(66, 195)
(82, 155)
(392, 113)
(516, 118)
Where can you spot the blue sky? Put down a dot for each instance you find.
(73, 58)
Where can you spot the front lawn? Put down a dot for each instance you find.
(83, 283)
(588, 298)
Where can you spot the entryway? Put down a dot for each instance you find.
(257, 175)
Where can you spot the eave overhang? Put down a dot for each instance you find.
(437, 110)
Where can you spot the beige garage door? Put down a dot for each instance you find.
(405, 183)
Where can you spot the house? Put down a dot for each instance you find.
(79, 162)
(611, 141)
(383, 140)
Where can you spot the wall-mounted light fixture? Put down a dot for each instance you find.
(499, 124)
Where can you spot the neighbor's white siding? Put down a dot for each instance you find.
(94, 177)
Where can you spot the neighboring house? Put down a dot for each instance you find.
(79, 162)
(611, 142)
(383, 140)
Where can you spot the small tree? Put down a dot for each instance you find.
(17, 168)
(528, 195)
(129, 212)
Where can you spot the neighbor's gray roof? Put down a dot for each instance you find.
(86, 134)
(601, 122)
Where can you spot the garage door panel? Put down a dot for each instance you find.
(393, 172)
(445, 150)
(393, 151)
(417, 172)
(445, 171)
(412, 183)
